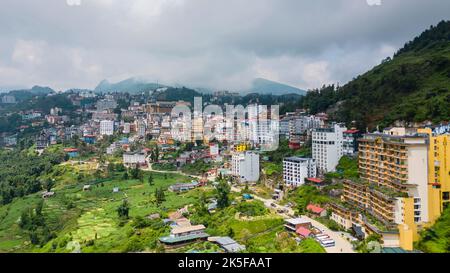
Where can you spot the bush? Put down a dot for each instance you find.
(254, 208)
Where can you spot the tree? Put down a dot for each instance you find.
(48, 185)
(136, 172)
(160, 196)
(222, 191)
(141, 177)
(230, 232)
(125, 176)
(151, 180)
(156, 154)
(123, 210)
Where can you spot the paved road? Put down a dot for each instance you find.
(342, 245)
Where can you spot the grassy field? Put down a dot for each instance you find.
(88, 222)
(78, 216)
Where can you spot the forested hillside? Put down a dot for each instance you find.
(414, 86)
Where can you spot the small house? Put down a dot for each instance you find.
(71, 152)
(316, 210)
(304, 232)
(227, 244)
(294, 224)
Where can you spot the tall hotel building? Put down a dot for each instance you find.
(439, 172)
(327, 147)
(404, 181)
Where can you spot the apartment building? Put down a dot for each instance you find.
(107, 127)
(327, 147)
(394, 189)
(106, 104)
(439, 171)
(296, 170)
(7, 99)
(262, 130)
(351, 144)
(141, 128)
(245, 166)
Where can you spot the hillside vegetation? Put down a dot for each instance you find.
(413, 86)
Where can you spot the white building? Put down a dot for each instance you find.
(126, 128)
(214, 149)
(141, 128)
(7, 99)
(245, 166)
(296, 170)
(107, 127)
(263, 130)
(327, 147)
(134, 158)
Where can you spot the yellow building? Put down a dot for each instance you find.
(405, 182)
(242, 147)
(439, 174)
(395, 166)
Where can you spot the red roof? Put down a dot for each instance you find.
(302, 231)
(351, 132)
(70, 150)
(315, 180)
(314, 209)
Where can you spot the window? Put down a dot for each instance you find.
(446, 196)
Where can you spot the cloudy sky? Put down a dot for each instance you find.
(220, 44)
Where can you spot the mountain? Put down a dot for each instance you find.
(39, 90)
(131, 85)
(267, 87)
(176, 94)
(25, 94)
(413, 86)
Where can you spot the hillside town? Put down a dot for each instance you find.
(397, 182)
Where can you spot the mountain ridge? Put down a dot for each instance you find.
(412, 87)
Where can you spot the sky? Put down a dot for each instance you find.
(217, 44)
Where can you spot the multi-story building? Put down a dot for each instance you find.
(160, 107)
(395, 170)
(346, 217)
(405, 183)
(107, 127)
(263, 128)
(10, 140)
(296, 170)
(141, 128)
(8, 99)
(126, 128)
(214, 149)
(350, 144)
(106, 104)
(245, 166)
(285, 126)
(327, 147)
(439, 172)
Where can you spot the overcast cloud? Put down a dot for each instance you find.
(220, 44)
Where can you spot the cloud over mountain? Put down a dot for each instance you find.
(204, 43)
